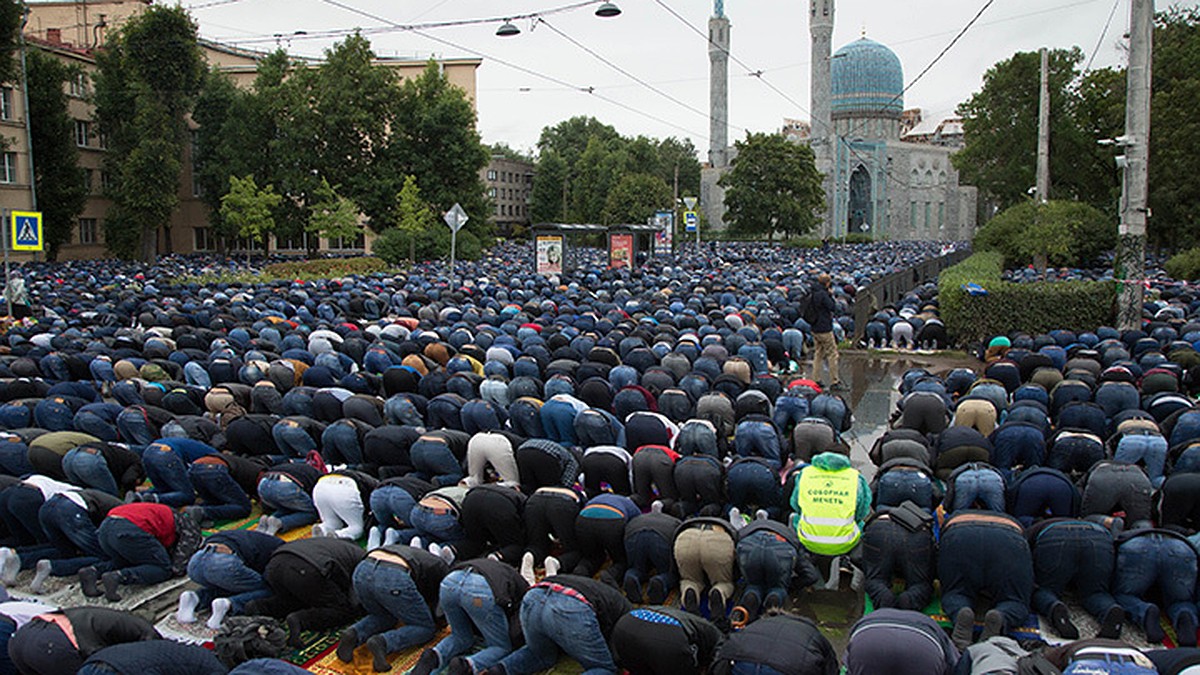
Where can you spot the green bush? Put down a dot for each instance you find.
(1066, 233)
(1185, 265)
(325, 268)
(858, 238)
(803, 242)
(392, 245)
(1007, 307)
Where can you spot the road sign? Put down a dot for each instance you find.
(689, 202)
(456, 217)
(691, 220)
(26, 231)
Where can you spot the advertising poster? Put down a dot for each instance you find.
(549, 254)
(620, 250)
(662, 238)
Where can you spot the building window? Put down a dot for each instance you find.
(87, 230)
(492, 192)
(105, 181)
(87, 180)
(197, 186)
(342, 243)
(6, 103)
(912, 217)
(928, 212)
(941, 216)
(8, 168)
(203, 239)
(78, 86)
(491, 175)
(83, 133)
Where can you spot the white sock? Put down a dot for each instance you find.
(188, 600)
(10, 566)
(391, 536)
(38, 585)
(374, 537)
(527, 568)
(317, 531)
(552, 564)
(416, 543)
(220, 608)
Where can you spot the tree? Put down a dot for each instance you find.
(434, 138)
(11, 17)
(1000, 123)
(507, 152)
(548, 196)
(1174, 190)
(1057, 232)
(412, 215)
(635, 198)
(248, 208)
(333, 216)
(58, 178)
(773, 186)
(149, 74)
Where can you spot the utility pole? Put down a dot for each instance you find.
(1043, 151)
(675, 208)
(28, 128)
(1129, 268)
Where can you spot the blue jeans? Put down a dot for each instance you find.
(52, 415)
(135, 553)
(758, 439)
(14, 457)
(766, 562)
(983, 485)
(1079, 552)
(435, 462)
(978, 558)
(292, 439)
(1150, 560)
(19, 507)
(470, 608)
(134, 428)
(558, 421)
(789, 410)
(339, 444)
(552, 621)
(87, 467)
(900, 485)
(91, 422)
(392, 506)
(223, 498)
(169, 474)
(753, 484)
(70, 529)
(436, 527)
(389, 594)
(1149, 449)
(287, 501)
(225, 575)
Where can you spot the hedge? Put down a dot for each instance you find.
(1185, 265)
(325, 268)
(1009, 307)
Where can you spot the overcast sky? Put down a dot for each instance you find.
(660, 49)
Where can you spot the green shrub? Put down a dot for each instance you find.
(393, 245)
(325, 268)
(858, 238)
(1007, 307)
(1185, 265)
(803, 242)
(1066, 233)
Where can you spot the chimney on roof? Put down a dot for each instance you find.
(54, 36)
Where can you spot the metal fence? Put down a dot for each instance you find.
(891, 289)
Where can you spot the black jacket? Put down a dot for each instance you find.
(823, 308)
(334, 558)
(98, 627)
(254, 548)
(161, 657)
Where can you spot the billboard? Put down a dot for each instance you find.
(549, 254)
(665, 221)
(620, 250)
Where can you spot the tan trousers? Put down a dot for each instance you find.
(978, 414)
(825, 351)
(701, 552)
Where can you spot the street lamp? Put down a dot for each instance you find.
(608, 10)
(509, 29)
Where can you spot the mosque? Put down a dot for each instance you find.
(879, 180)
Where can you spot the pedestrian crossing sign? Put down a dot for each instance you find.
(27, 231)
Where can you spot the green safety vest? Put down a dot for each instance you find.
(828, 503)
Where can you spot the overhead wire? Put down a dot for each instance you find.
(1103, 34)
(515, 66)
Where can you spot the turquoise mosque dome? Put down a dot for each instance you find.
(868, 81)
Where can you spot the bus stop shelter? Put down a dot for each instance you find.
(628, 244)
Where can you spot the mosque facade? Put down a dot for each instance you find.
(877, 180)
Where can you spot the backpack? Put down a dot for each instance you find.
(806, 307)
(243, 638)
(188, 538)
